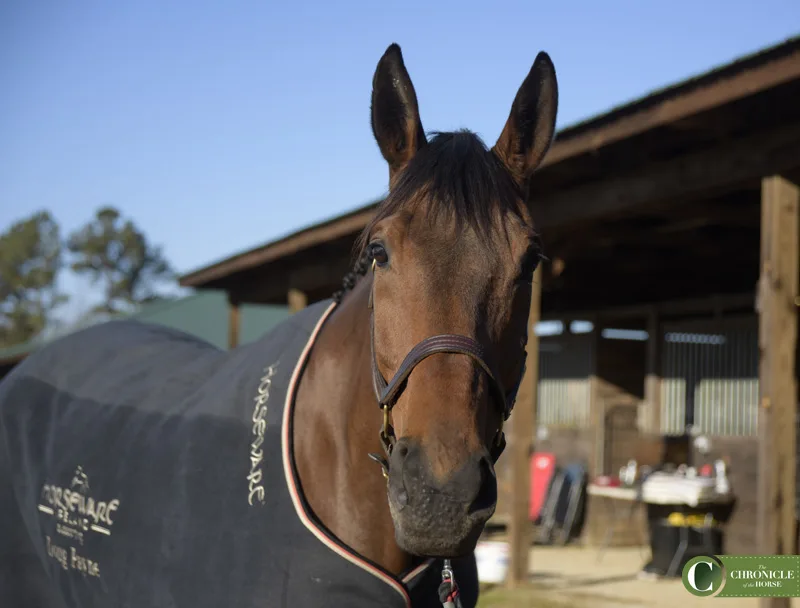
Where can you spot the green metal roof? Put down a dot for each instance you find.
(203, 314)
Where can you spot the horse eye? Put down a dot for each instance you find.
(529, 263)
(379, 254)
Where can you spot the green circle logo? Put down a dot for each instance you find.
(703, 576)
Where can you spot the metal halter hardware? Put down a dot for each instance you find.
(387, 393)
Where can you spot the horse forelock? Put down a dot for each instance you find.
(453, 179)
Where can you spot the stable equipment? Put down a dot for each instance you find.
(542, 469)
(562, 512)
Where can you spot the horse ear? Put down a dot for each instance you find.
(530, 127)
(395, 116)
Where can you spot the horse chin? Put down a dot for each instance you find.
(429, 534)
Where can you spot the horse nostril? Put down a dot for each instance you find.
(402, 450)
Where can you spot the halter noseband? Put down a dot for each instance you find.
(387, 393)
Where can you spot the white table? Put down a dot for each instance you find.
(632, 495)
(620, 492)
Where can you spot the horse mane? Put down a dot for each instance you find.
(351, 278)
(461, 179)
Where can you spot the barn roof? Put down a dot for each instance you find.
(688, 115)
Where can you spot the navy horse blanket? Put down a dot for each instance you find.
(142, 467)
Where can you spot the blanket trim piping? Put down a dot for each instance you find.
(299, 504)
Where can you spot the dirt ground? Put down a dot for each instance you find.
(572, 577)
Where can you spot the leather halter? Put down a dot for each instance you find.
(387, 393)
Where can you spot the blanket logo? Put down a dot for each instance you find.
(255, 477)
(76, 511)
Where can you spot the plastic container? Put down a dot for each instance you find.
(665, 538)
(492, 560)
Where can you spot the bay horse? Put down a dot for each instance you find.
(344, 459)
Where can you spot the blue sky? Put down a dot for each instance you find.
(217, 126)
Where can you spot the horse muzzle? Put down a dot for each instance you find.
(439, 518)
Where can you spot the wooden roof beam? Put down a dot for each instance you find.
(723, 167)
(719, 91)
(283, 248)
(717, 303)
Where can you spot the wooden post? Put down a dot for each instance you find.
(234, 322)
(520, 444)
(297, 300)
(777, 337)
(651, 421)
(597, 409)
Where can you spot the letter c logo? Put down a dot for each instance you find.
(693, 581)
(704, 581)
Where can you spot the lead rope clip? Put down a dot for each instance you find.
(448, 589)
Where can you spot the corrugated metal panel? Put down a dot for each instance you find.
(565, 363)
(712, 365)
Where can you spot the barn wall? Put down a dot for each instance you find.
(741, 456)
(565, 366)
(712, 365)
(568, 445)
(621, 363)
(619, 390)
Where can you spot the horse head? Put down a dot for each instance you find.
(453, 252)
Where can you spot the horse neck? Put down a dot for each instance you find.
(336, 424)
